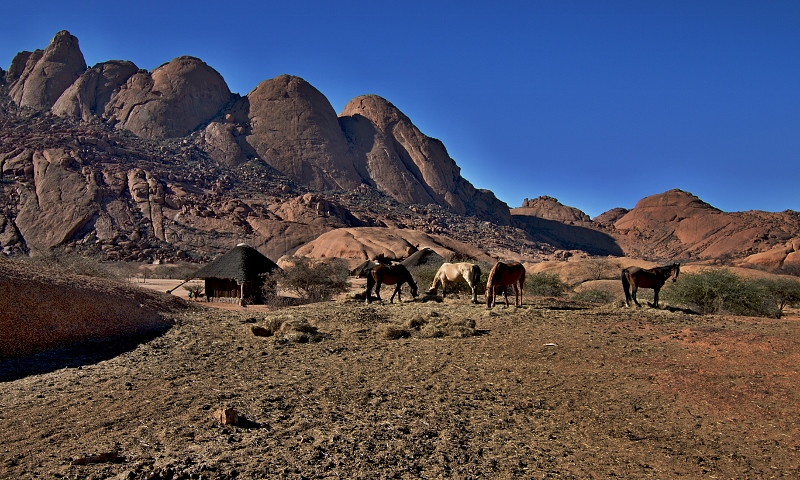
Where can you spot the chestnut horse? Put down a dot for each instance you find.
(634, 278)
(390, 275)
(502, 275)
(450, 273)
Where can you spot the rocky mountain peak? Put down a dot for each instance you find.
(38, 78)
(550, 208)
(171, 101)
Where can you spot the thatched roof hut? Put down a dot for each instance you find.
(240, 274)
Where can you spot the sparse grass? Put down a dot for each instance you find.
(595, 296)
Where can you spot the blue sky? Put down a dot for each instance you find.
(598, 104)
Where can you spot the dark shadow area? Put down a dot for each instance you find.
(688, 311)
(568, 237)
(74, 356)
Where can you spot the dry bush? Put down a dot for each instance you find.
(545, 285)
(722, 291)
(431, 326)
(288, 329)
(316, 281)
(69, 263)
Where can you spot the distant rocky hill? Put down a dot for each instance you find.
(677, 224)
(126, 164)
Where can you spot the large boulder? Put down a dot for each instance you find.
(294, 128)
(88, 96)
(408, 165)
(171, 101)
(64, 198)
(550, 208)
(46, 74)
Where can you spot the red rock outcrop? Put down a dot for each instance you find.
(550, 208)
(47, 73)
(63, 200)
(677, 224)
(171, 101)
(408, 165)
(366, 243)
(88, 96)
(294, 128)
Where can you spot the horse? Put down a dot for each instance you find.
(390, 275)
(634, 278)
(450, 273)
(502, 275)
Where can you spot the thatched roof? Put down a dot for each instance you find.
(242, 263)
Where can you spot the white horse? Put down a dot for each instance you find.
(450, 273)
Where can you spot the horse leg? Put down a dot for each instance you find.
(396, 292)
(378, 291)
(517, 295)
(370, 284)
(626, 287)
(505, 294)
(472, 287)
(634, 289)
(655, 297)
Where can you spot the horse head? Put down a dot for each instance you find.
(676, 269)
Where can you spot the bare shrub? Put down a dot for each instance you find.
(599, 268)
(316, 281)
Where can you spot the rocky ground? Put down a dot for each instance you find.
(415, 390)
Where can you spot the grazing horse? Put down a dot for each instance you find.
(390, 275)
(450, 273)
(502, 275)
(636, 278)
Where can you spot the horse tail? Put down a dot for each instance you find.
(626, 285)
(476, 275)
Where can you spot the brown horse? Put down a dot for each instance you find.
(634, 278)
(502, 275)
(450, 273)
(390, 275)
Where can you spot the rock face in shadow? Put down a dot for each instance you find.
(45, 74)
(546, 220)
(92, 91)
(172, 101)
(408, 165)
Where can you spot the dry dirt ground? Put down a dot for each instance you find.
(550, 390)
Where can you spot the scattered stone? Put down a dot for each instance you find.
(226, 416)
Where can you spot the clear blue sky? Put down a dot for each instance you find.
(596, 103)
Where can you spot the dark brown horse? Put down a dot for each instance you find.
(390, 275)
(502, 275)
(634, 278)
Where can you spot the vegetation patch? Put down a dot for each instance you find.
(722, 291)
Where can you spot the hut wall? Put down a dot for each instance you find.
(222, 287)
